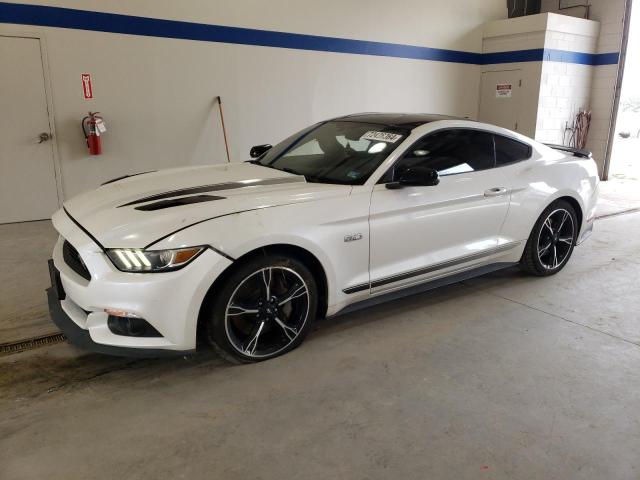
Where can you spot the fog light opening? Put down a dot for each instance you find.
(131, 327)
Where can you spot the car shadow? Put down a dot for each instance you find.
(398, 306)
(62, 366)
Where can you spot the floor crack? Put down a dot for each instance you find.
(615, 214)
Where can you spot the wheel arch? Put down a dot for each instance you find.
(567, 196)
(296, 251)
(575, 203)
(576, 206)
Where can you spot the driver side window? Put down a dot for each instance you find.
(449, 152)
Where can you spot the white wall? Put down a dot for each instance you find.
(521, 33)
(156, 94)
(565, 88)
(553, 92)
(610, 14)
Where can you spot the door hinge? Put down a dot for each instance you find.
(516, 127)
(520, 82)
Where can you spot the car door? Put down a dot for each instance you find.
(423, 232)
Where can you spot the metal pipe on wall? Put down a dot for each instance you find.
(520, 8)
(586, 6)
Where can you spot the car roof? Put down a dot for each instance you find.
(403, 120)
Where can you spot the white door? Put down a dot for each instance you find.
(27, 175)
(426, 231)
(500, 98)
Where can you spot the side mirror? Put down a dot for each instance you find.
(416, 177)
(258, 150)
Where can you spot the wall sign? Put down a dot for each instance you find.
(503, 90)
(87, 89)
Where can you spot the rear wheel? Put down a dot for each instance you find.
(264, 309)
(552, 240)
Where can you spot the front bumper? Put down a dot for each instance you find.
(170, 301)
(80, 337)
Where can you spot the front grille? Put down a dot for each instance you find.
(72, 258)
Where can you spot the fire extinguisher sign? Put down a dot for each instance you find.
(87, 89)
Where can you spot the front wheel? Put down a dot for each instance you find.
(551, 242)
(264, 309)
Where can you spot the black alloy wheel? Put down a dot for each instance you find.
(555, 239)
(552, 240)
(264, 309)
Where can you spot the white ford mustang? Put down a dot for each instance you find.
(345, 213)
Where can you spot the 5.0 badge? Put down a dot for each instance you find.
(353, 237)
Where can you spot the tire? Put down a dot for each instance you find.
(548, 249)
(244, 327)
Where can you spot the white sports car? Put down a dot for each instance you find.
(345, 213)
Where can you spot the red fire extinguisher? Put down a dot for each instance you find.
(93, 126)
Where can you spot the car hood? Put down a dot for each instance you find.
(136, 211)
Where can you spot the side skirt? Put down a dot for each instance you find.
(424, 287)
(431, 268)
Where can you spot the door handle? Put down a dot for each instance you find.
(495, 192)
(44, 137)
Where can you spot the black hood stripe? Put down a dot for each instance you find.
(216, 187)
(177, 202)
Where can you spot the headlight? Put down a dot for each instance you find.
(135, 260)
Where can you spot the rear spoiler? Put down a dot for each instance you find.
(576, 152)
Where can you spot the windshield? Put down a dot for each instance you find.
(335, 152)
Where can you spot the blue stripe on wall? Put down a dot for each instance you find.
(534, 55)
(551, 55)
(607, 58)
(127, 24)
(581, 58)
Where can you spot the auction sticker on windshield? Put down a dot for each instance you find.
(381, 136)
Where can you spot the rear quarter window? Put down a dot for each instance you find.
(509, 150)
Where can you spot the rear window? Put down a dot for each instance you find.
(509, 150)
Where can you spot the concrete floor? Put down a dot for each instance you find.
(502, 377)
(23, 279)
(625, 163)
(618, 194)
